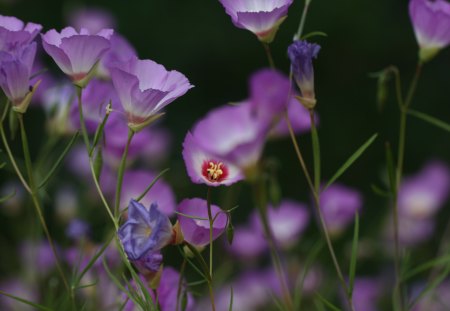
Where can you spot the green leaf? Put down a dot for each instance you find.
(98, 163)
(230, 233)
(425, 266)
(314, 34)
(352, 159)
(327, 303)
(189, 261)
(58, 162)
(37, 306)
(7, 197)
(381, 192)
(2, 165)
(231, 299)
(432, 120)
(354, 254)
(200, 258)
(99, 130)
(191, 217)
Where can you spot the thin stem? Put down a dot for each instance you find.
(269, 55)
(34, 196)
(299, 33)
(180, 283)
(261, 200)
(298, 152)
(316, 152)
(121, 172)
(211, 222)
(82, 123)
(211, 296)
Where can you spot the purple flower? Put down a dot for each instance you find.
(168, 291)
(76, 53)
(339, 205)
(135, 183)
(204, 167)
(287, 222)
(411, 231)
(122, 52)
(20, 289)
(301, 53)
(14, 33)
(144, 231)
(422, 195)
(145, 87)
(232, 133)
(95, 98)
(261, 17)
(196, 231)
(150, 262)
(269, 91)
(78, 229)
(37, 256)
(431, 22)
(15, 72)
(93, 19)
(366, 293)
(248, 243)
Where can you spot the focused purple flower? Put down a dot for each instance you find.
(93, 19)
(339, 205)
(135, 183)
(15, 73)
(196, 231)
(76, 53)
(248, 243)
(145, 87)
(122, 52)
(262, 17)
(204, 167)
(431, 22)
(150, 262)
(301, 53)
(232, 133)
(269, 91)
(14, 33)
(168, 291)
(146, 230)
(423, 194)
(287, 222)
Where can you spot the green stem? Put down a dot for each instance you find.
(84, 132)
(211, 223)
(121, 173)
(269, 55)
(211, 296)
(316, 152)
(34, 196)
(299, 33)
(180, 283)
(261, 199)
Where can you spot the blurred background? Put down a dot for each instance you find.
(198, 39)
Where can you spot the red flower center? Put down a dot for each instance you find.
(214, 171)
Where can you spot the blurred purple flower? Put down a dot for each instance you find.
(366, 293)
(168, 291)
(204, 167)
(196, 231)
(261, 17)
(14, 33)
(301, 53)
(269, 91)
(287, 221)
(145, 87)
(422, 195)
(37, 257)
(20, 289)
(93, 19)
(248, 243)
(411, 231)
(339, 205)
(15, 73)
(66, 201)
(431, 22)
(77, 229)
(76, 53)
(144, 231)
(95, 97)
(437, 300)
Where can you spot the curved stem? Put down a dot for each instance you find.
(269, 55)
(121, 172)
(211, 222)
(34, 196)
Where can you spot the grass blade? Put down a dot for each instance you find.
(37, 306)
(432, 120)
(231, 299)
(354, 254)
(58, 162)
(425, 266)
(327, 303)
(352, 159)
(7, 197)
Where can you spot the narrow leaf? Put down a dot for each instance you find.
(100, 128)
(314, 34)
(380, 192)
(432, 120)
(230, 233)
(327, 303)
(37, 306)
(2, 165)
(98, 163)
(231, 299)
(151, 184)
(425, 266)
(7, 197)
(191, 217)
(351, 160)
(58, 162)
(354, 254)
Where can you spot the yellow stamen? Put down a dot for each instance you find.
(215, 170)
